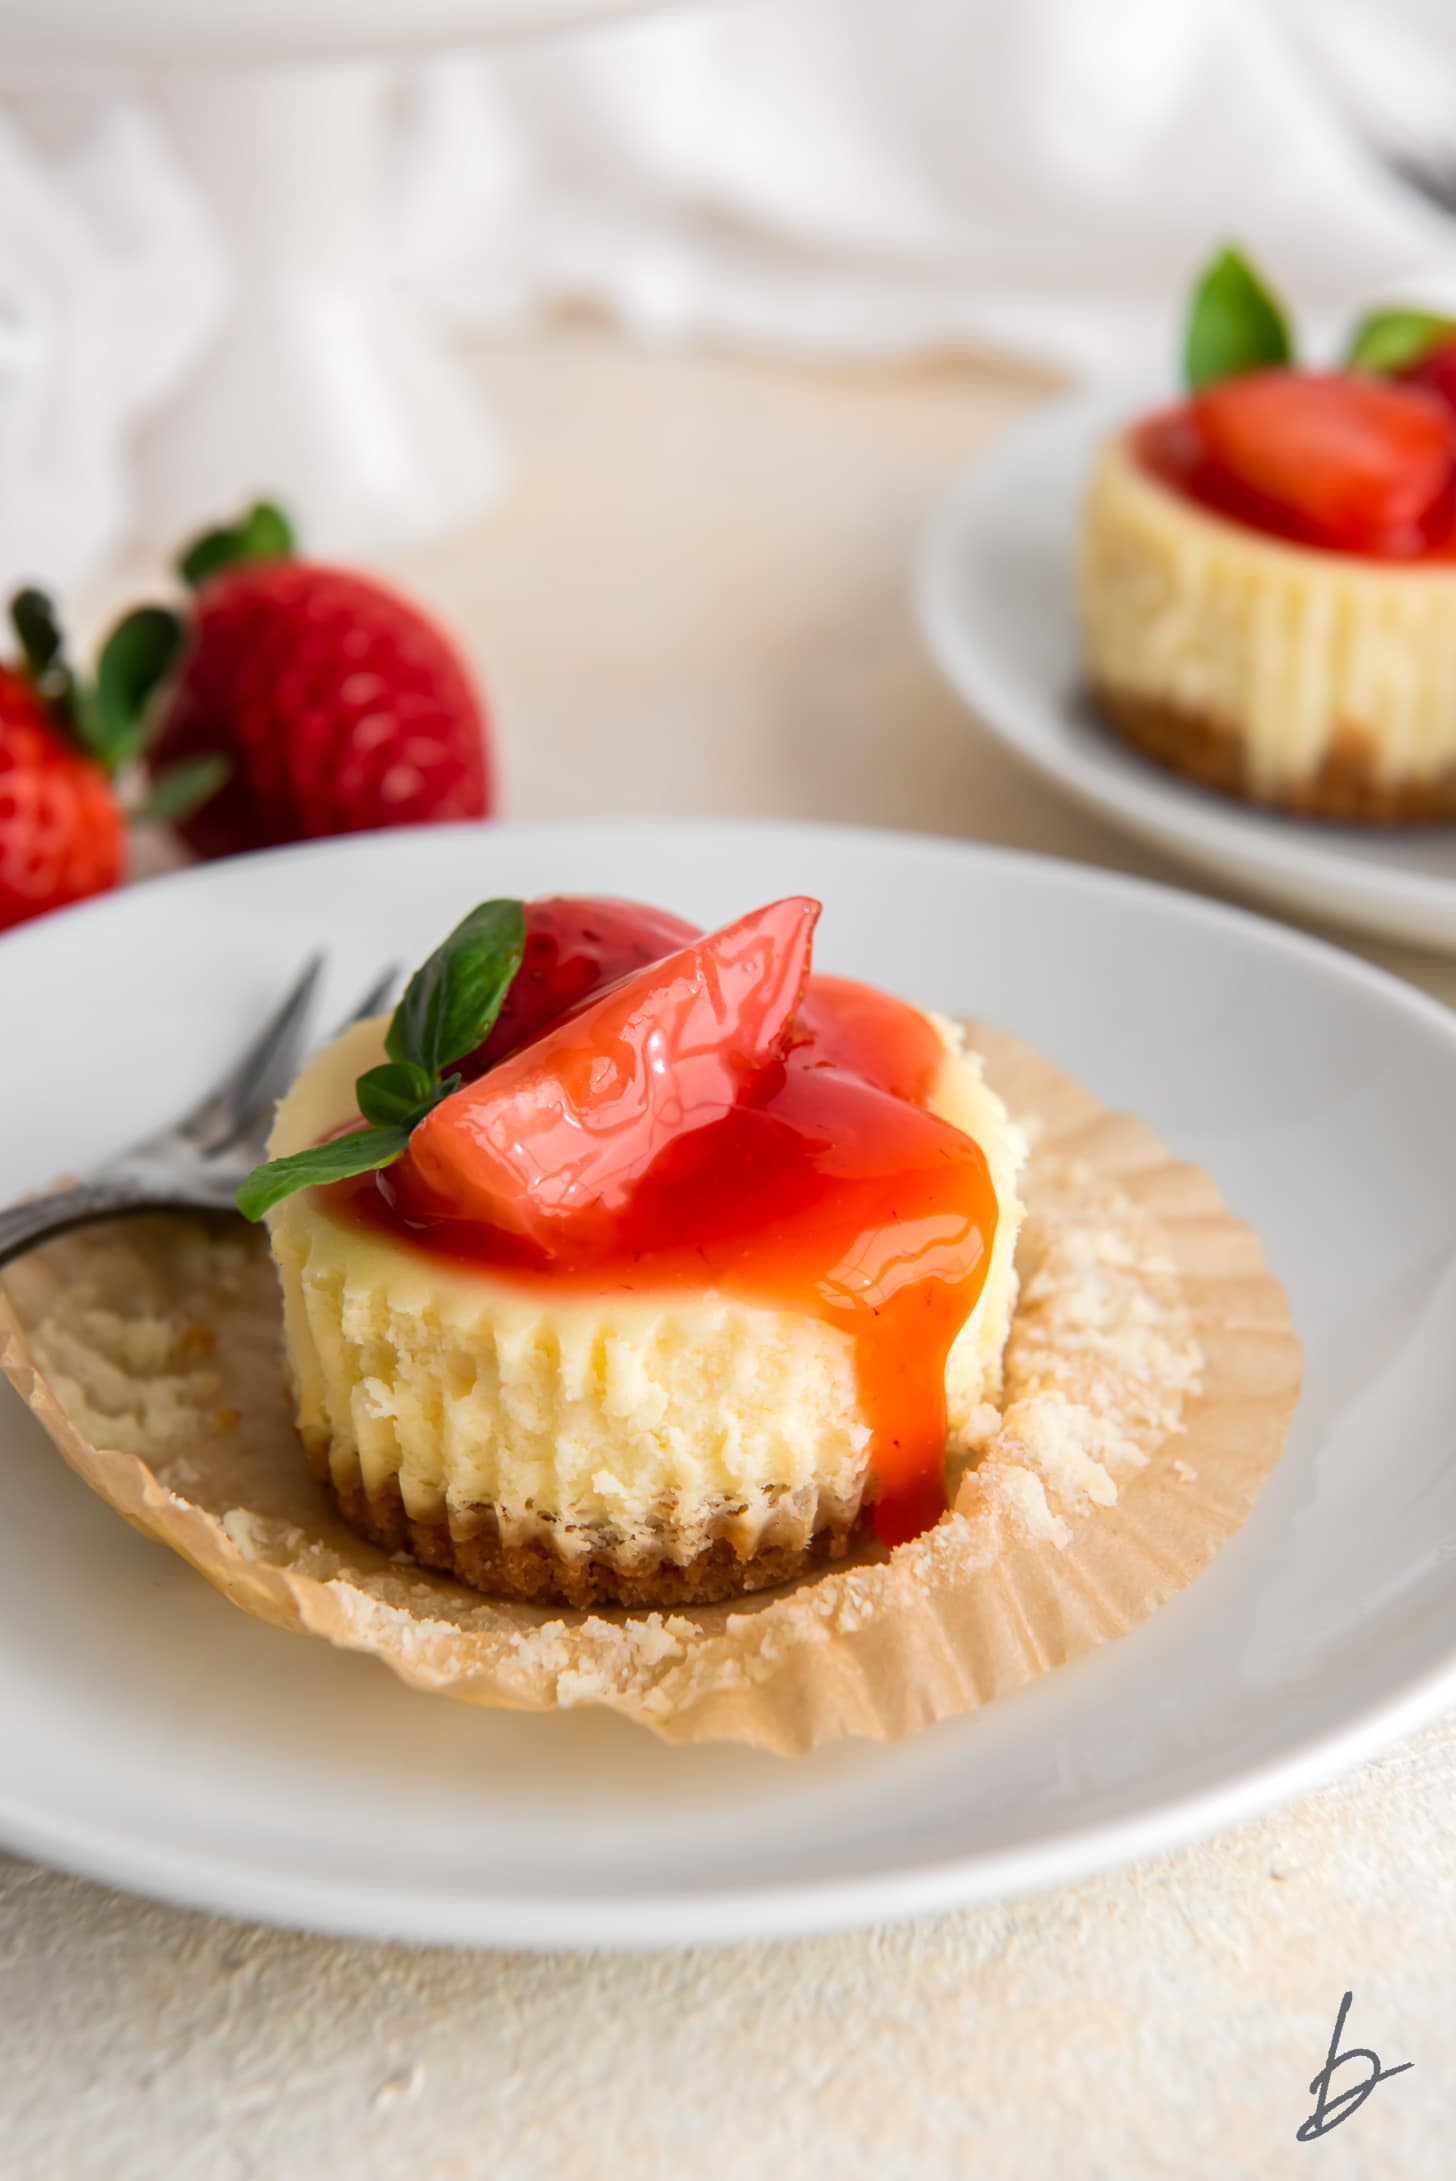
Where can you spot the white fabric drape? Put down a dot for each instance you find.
(830, 177)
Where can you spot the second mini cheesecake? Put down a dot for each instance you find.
(1318, 682)
(1267, 569)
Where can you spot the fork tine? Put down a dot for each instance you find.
(274, 1057)
(253, 1113)
(253, 1117)
(242, 1109)
(264, 1070)
(372, 1002)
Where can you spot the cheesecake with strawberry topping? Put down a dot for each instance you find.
(626, 1264)
(1267, 569)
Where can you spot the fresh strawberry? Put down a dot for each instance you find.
(60, 829)
(1352, 463)
(337, 706)
(63, 742)
(574, 946)
(547, 1142)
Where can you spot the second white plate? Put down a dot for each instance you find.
(994, 592)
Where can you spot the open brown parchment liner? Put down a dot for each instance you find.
(151, 1352)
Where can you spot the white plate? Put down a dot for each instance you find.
(994, 590)
(157, 1737)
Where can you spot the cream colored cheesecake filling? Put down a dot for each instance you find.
(663, 1421)
(1297, 652)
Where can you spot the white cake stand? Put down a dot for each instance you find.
(325, 386)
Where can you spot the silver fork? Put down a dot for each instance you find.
(195, 1163)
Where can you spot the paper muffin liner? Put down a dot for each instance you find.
(1150, 1377)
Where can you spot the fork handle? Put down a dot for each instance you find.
(34, 1220)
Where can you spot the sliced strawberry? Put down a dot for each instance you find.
(550, 1142)
(574, 946)
(1354, 464)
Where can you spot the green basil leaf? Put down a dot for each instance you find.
(395, 1094)
(453, 999)
(184, 788)
(358, 1153)
(135, 659)
(1234, 323)
(1393, 340)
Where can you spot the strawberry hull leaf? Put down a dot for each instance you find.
(135, 660)
(107, 720)
(34, 619)
(264, 533)
(213, 550)
(43, 648)
(184, 788)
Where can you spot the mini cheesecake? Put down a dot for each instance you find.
(671, 1300)
(1267, 594)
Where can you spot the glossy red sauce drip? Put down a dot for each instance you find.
(828, 1189)
(1168, 446)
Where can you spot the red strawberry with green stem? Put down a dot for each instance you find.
(63, 743)
(337, 705)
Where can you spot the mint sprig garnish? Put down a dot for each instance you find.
(452, 1000)
(450, 1004)
(391, 1094)
(1235, 323)
(359, 1152)
(1392, 340)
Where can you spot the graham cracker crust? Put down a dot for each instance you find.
(471, 1549)
(1345, 789)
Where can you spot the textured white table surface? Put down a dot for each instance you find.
(695, 599)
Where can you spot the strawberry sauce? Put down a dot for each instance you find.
(826, 1188)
